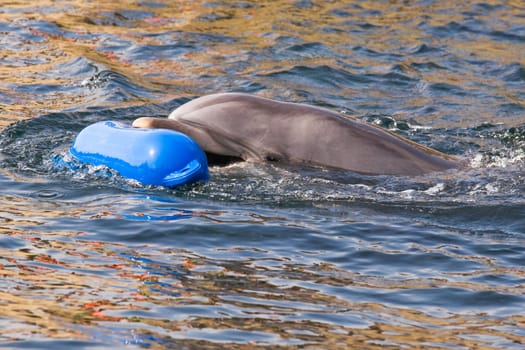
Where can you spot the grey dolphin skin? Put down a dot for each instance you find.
(249, 127)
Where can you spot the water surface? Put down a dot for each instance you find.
(263, 255)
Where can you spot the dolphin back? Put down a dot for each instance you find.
(256, 128)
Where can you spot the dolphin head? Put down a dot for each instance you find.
(217, 149)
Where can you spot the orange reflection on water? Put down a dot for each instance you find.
(54, 281)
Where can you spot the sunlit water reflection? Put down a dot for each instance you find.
(264, 255)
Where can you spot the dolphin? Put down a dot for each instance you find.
(248, 127)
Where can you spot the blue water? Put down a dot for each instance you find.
(264, 255)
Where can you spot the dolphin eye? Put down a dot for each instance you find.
(272, 158)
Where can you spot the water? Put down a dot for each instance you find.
(264, 256)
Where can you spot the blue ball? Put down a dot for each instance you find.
(150, 156)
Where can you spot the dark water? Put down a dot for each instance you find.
(264, 256)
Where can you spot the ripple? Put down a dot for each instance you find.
(393, 76)
(48, 194)
(121, 18)
(54, 344)
(427, 66)
(309, 49)
(77, 67)
(424, 49)
(517, 74)
(320, 76)
(380, 56)
(453, 29)
(111, 86)
(514, 35)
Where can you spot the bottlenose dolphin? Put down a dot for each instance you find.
(249, 127)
